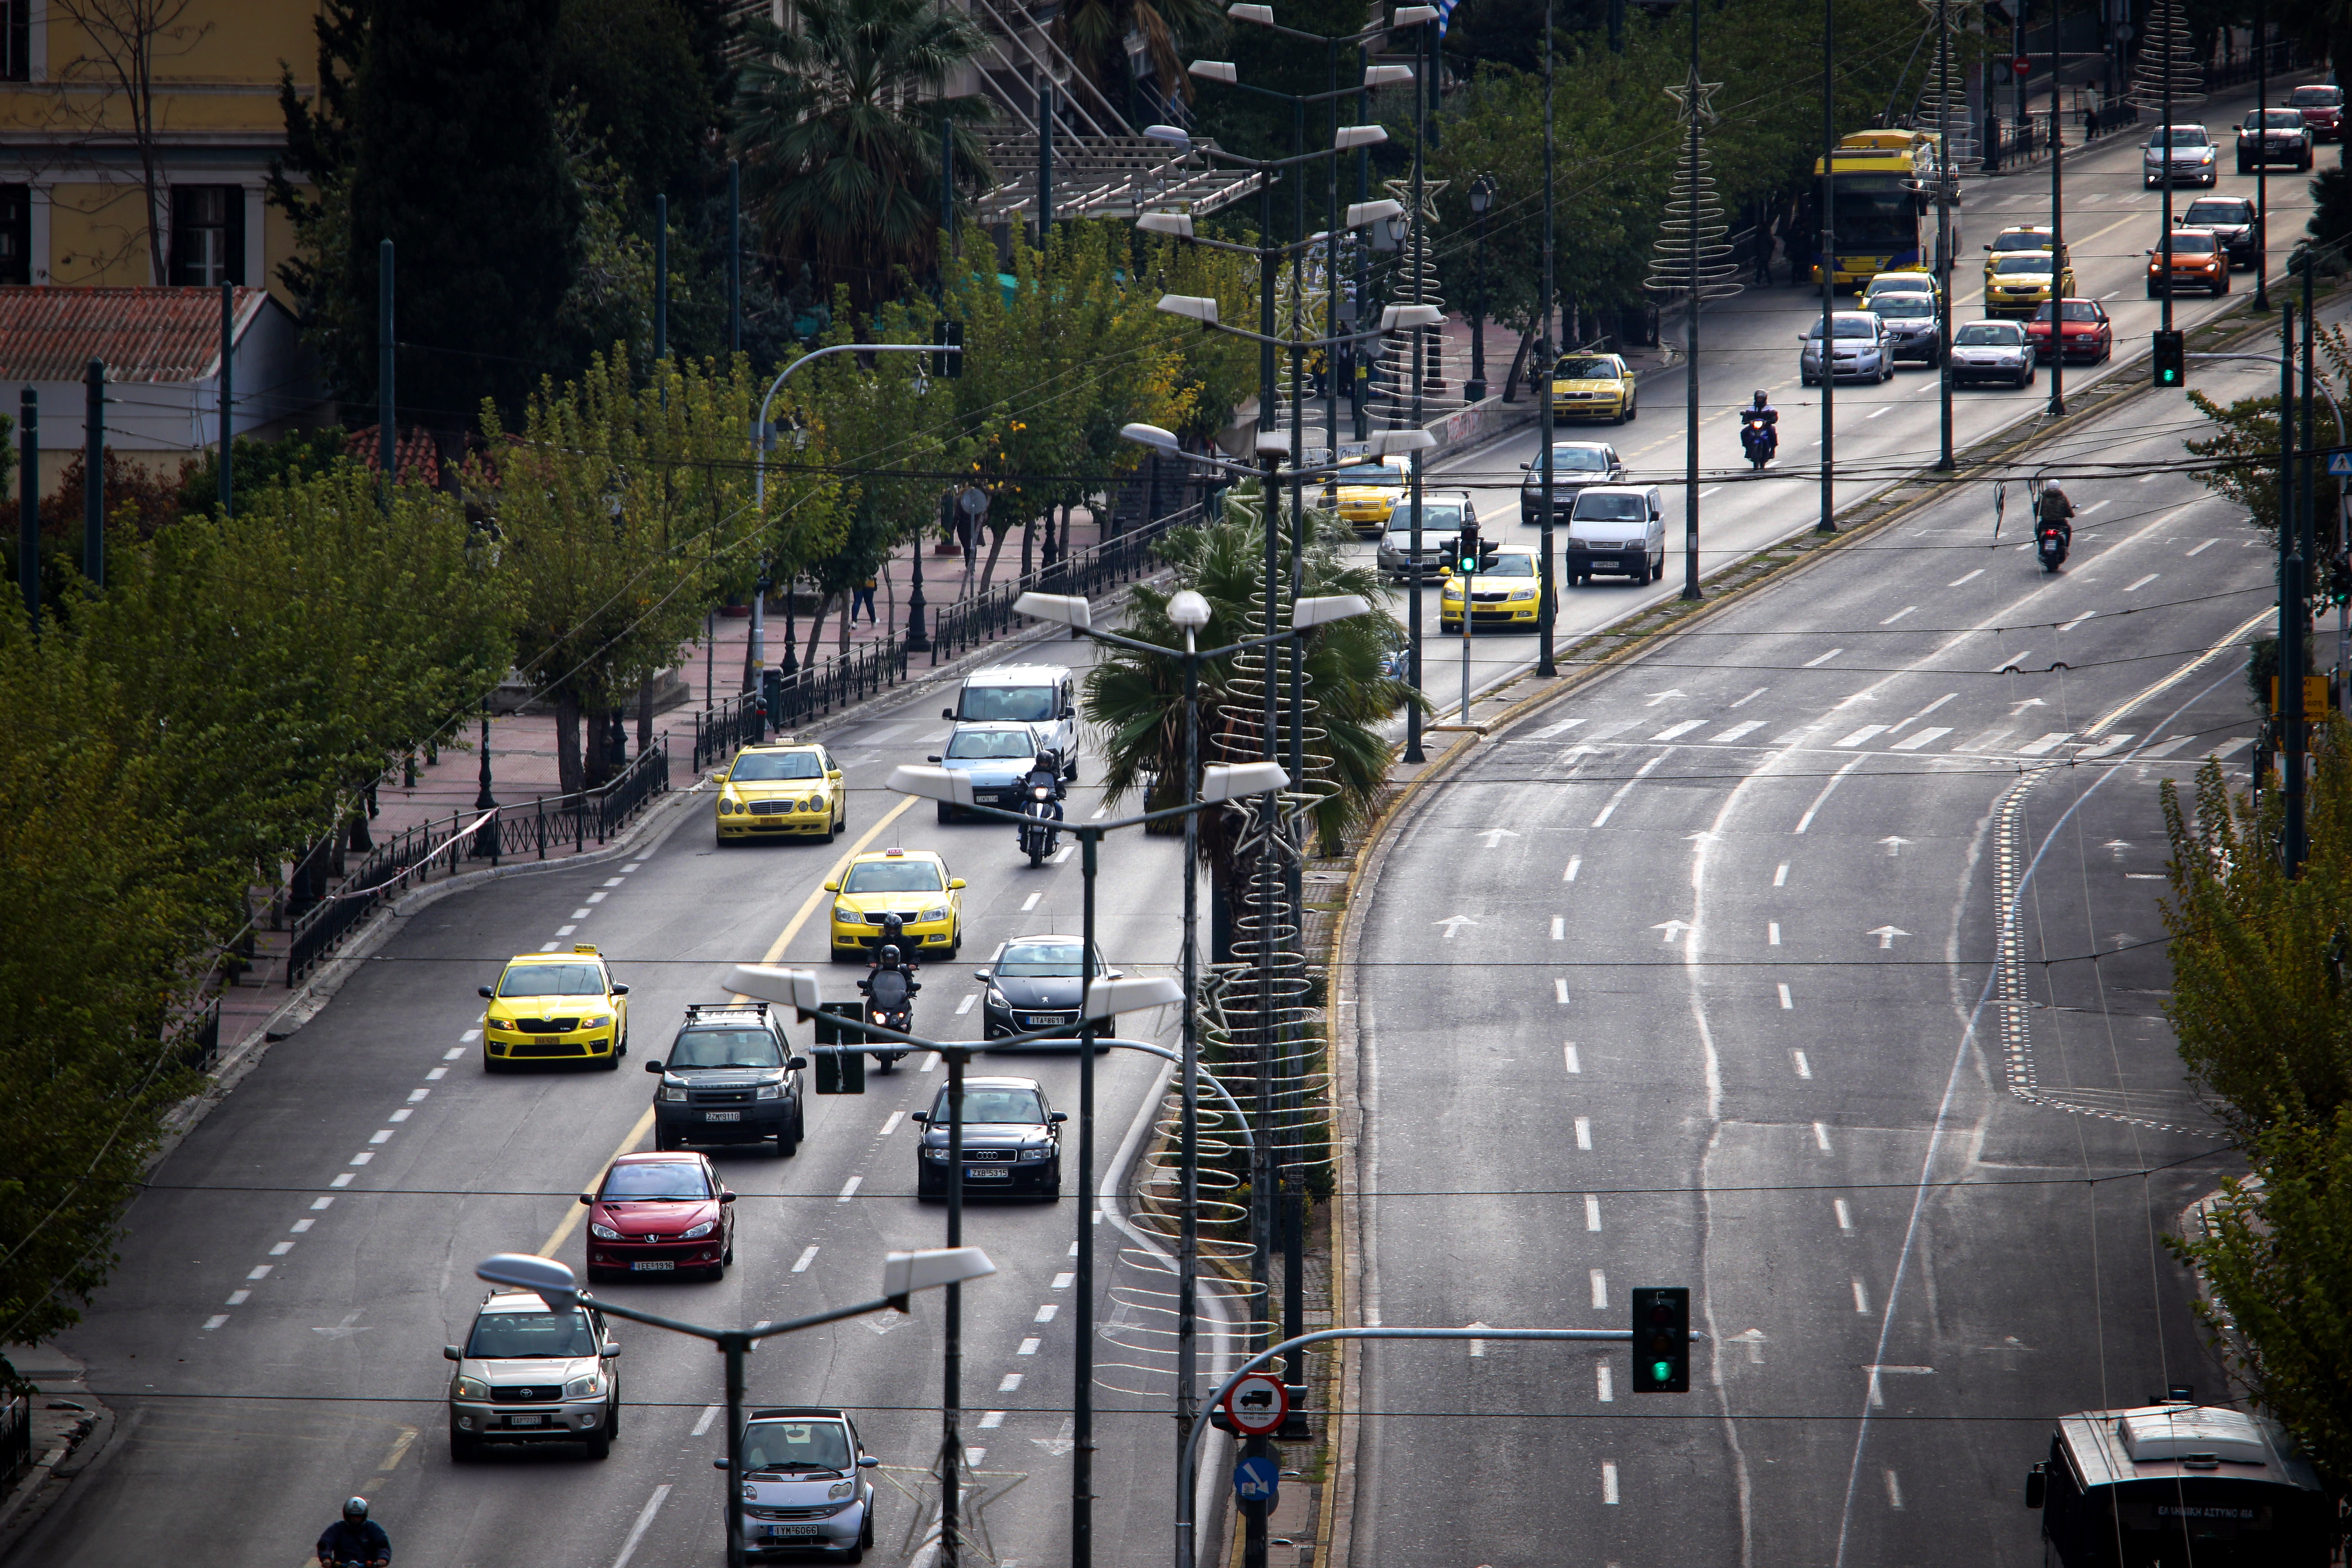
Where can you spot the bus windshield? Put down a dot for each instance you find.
(1876, 214)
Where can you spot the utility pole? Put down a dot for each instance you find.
(28, 504)
(387, 427)
(2164, 134)
(1828, 523)
(1690, 341)
(94, 474)
(2291, 606)
(2262, 157)
(661, 278)
(1547, 606)
(734, 260)
(227, 396)
(2058, 222)
(1945, 461)
(1412, 751)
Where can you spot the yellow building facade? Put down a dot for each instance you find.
(107, 183)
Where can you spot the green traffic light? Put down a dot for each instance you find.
(1662, 1371)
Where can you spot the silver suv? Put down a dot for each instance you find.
(527, 1374)
(802, 1486)
(1443, 513)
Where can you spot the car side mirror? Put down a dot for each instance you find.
(482, 991)
(1526, 467)
(718, 1464)
(1988, 247)
(955, 884)
(981, 975)
(923, 1116)
(833, 887)
(726, 1196)
(794, 1064)
(931, 759)
(1114, 974)
(620, 990)
(586, 1199)
(1070, 712)
(1059, 1116)
(654, 1065)
(451, 1353)
(2037, 1486)
(868, 1461)
(947, 712)
(610, 1353)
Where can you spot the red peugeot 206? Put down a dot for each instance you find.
(660, 1214)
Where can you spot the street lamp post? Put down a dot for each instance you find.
(1827, 522)
(2058, 224)
(1547, 586)
(1481, 200)
(903, 1274)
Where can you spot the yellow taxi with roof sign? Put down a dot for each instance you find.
(779, 791)
(912, 884)
(1593, 386)
(555, 1006)
(1364, 493)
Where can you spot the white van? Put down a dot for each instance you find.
(1620, 529)
(1041, 696)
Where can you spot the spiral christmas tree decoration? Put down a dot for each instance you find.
(1693, 211)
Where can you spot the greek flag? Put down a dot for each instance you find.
(1444, 15)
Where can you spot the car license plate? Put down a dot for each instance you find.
(775, 1531)
(722, 1116)
(985, 1172)
(648, 1266)
(524, 1420)
(547, 1039)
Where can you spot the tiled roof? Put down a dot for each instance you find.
(142, 334)
(416, 453)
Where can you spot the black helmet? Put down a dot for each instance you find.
(889, 956)
(1760, 398)
(355, 1510)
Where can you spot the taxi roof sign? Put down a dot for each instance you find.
(586, 947)
(893, 852)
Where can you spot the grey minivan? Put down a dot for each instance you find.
(1620, 529)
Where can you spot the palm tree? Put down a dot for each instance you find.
(839, 130)
(1095, 34)
(1136, 702)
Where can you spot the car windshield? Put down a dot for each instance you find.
(1043, 958)
(552, 980)
(655, 1179)
(2316, 97)
(1590, 508)
(971, 744)
(1586, 367)
(1434, 515)
(2275, 120)
(1904, 307)
(1848, 326)
(1583, 459)
(2218, 212)
(759, 767)
(2192, 245)
(2012, 265)
(1368, 474)
(1977, 335)
(530, 1336)
(1024, 704)
(894, 876)
(2076, 310)
(2180, 136)
(1509, 566)
(1020, 1105)
(726, 1048)
(2021, 239)
(795, 1446)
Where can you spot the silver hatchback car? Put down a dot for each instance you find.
(529, 1373)
(1442, 517)
(805, 1487)
(1861, 352)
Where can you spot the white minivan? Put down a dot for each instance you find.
(1042, 695)
(1620, 529)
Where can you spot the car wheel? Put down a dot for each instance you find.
(2221, 284)
(2244, 167)
(492, 1063)
(600, 1444)
(826, 836)
(866, 1530)
(719, 839)
(464, 1447)
(787, 1140)
(665, 1141)
(613, 1414)
(1052, 1189)
(927, 1192)
(612, 1061)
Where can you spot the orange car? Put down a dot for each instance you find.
(2200, 259)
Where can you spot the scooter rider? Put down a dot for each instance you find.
(2055, 510)
(1764, 419)
(892, 993)
(1045, 773)
(355, 1538)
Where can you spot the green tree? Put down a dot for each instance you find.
(320, 149)
(839, 127)
(2244, 444)
(459, 164)
(631, 68)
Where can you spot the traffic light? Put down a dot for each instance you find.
(839, 1072)
(1466, 549)
(1662, 1340)
(2339, 580)
(951, 362)
(2172, 359)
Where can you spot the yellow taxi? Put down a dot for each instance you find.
(912, 884)
(1505, 593)
(782, 791)
(2018, 276)
(555, 1006)
(1365, 494)
(1593, 386)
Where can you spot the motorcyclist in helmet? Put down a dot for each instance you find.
(1764, 420)
(1045, 773)
(355, 1538)
(2055, 511)
(893, 993)
(1761, 410)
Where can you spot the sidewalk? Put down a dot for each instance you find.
(69, 1431)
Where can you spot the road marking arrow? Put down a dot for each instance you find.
(1478, 1347)
(2116, 847)
(1494, 836)
(1701, 836)
(1754, 1339)
(1887, 935)
(2017, 708)
(343, 1330)
(1060, 1443)
(1893, 844)
(1663, 695)
(1453, 924)
(1674, 928)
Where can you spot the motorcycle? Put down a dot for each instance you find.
(1759, 439)
(1041, 831)
(890, 1001)
(2050, 545)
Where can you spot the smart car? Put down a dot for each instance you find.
(802, 1486)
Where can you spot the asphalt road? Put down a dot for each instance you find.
(1720, 1010)
(272, 1340)
(1748, 342)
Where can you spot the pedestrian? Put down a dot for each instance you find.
(864, 600)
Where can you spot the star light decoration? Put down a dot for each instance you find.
(977, 1488)
(1695, 96)
(1402, 190)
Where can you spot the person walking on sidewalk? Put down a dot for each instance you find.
(865, 600)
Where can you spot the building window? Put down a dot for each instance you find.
(15, 235)
(207, 235)
(16, 40)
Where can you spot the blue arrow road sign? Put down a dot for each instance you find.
(2339, 464)
(1258, 1480)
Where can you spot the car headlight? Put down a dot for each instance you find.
(672, 1092)
(839, 1490)
(997, 999)
(472, 1388)
(726, 804)
(935, 1150)
(705, 1229)
(601, 1021)
(842, 915)
(1523, 592)
(603, 1232)
(935, 912)
(769, 1091)
(584, 1387)
(1039, 1152)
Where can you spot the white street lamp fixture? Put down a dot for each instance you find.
(1177, 223)
(1175, 136)
(1413, 15)
(1232, 780)
(794, 988)
(1355, 135)
(1150, 435)
(929, 1267)
(1214, 70)
(1362, 212)
(1201, 308)
(1387, 76)
(1272, 443)
(552, 1282)
(1109, 998)
(1187, 609)
(1261, 15)
(1396, 318)
(1067, 609)
(1327, 607)
(1386, 442)
(952, 785)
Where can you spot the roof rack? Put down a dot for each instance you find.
(695, 1009)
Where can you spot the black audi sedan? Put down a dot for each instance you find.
(1011, 1140)
(1034, 984)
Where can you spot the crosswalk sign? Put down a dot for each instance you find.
(2339, 464)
